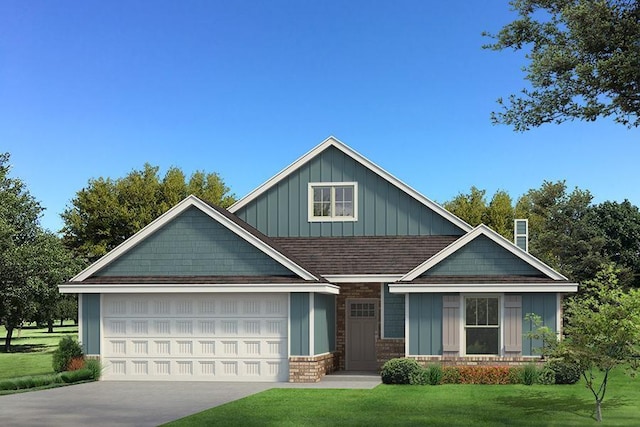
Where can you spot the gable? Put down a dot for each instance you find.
(383, 208)
(193, 244)
(482, 256)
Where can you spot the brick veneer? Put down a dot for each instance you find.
(477, 360)
(310, 369)
(389, 348)
(352, 291)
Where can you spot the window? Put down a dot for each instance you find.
(333, 201)
(482, 325)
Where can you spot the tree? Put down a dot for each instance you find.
(108, 211)
(470, 207)
(620, 224)
(583, 61)
(500, 214)
(602, 332)
(560, 233)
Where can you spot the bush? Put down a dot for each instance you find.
(516, 375)
(530, 374)
(68, 348)
(420, 377)
(546, 376)
(450, 375)
(566, 372)
(95, 367)
(75, 364)
(399, 371)
(76, 376)
(484, 374)
(7, 385)
(435, 374)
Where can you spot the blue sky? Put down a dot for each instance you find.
(243, 88)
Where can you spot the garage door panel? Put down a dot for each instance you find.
(225, 338)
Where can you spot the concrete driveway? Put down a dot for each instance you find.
(119, 403)
(137, 403)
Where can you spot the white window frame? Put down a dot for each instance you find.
(332, 217)
(463, 323)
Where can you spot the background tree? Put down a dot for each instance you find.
(470, 207)
(583, 61)
(108, 211)
(602, 332)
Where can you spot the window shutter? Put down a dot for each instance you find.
(513, 323)
(451, 323)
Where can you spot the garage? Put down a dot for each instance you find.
(195, 337)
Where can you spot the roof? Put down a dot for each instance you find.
(348, 151)
(363, 255)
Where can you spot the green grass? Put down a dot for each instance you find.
(32, 350)
(444, 405)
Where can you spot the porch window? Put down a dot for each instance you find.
(482, 325)
(332, 201)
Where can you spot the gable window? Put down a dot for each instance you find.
(333, 201)
(482, 325)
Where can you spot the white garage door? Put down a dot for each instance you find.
(195, 337)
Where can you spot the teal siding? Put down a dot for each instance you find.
(324, 323)
(299, 327)
(425, 324)
(194, 244)
(90, 318)
(393, 314)
(482, 256)
(545, 306)
(383, 209)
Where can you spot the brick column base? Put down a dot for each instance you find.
(309, 369)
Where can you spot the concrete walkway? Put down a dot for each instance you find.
(137, 403)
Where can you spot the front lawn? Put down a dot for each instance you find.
(443, 405)
(32, 350)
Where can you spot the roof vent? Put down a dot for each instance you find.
(521, 234)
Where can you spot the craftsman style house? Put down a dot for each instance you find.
(332, 264)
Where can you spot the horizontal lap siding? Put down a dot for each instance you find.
(425, 324)
(383, 209)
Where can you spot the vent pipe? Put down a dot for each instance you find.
(521, 234)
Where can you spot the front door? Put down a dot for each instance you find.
(362, 324)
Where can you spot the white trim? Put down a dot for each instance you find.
(332, 141)
(463, 322)
(406, 323)
(174, 212)
(101, 342)
(312, 325)
(80, 319)
(483, 230)
(400, 288)
(362, 278)
(332, 186)
(525, 235)
(382, 311)
(72, 288)
(289, 329)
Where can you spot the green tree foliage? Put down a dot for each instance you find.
(470, 207)
(583, 61)
(560, 232)
(620, 223)
(32, 261)
(603, 331)
(108, 211)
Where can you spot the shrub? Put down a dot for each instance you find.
(530, 374)
(68, 348)
(435, 374)
(76, 363)
(450, 375)
(484, 374)
(76, 376)
(516, 374)
(399, 371)
(566, 372)
(546, 376)
(95, 367)
(420, 377)
(7, 385)
(24, 383)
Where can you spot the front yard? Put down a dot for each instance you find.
(443, 405)
(32, 351)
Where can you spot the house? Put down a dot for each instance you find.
(332, 264)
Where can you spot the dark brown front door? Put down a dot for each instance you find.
(362, 323)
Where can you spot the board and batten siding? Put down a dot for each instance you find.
(324, 334)
(194, 244)
(482, 256)
(383, 209)
(299, 324)
(425, 324)
(544, 305)
(393, 314)
(90, 318)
